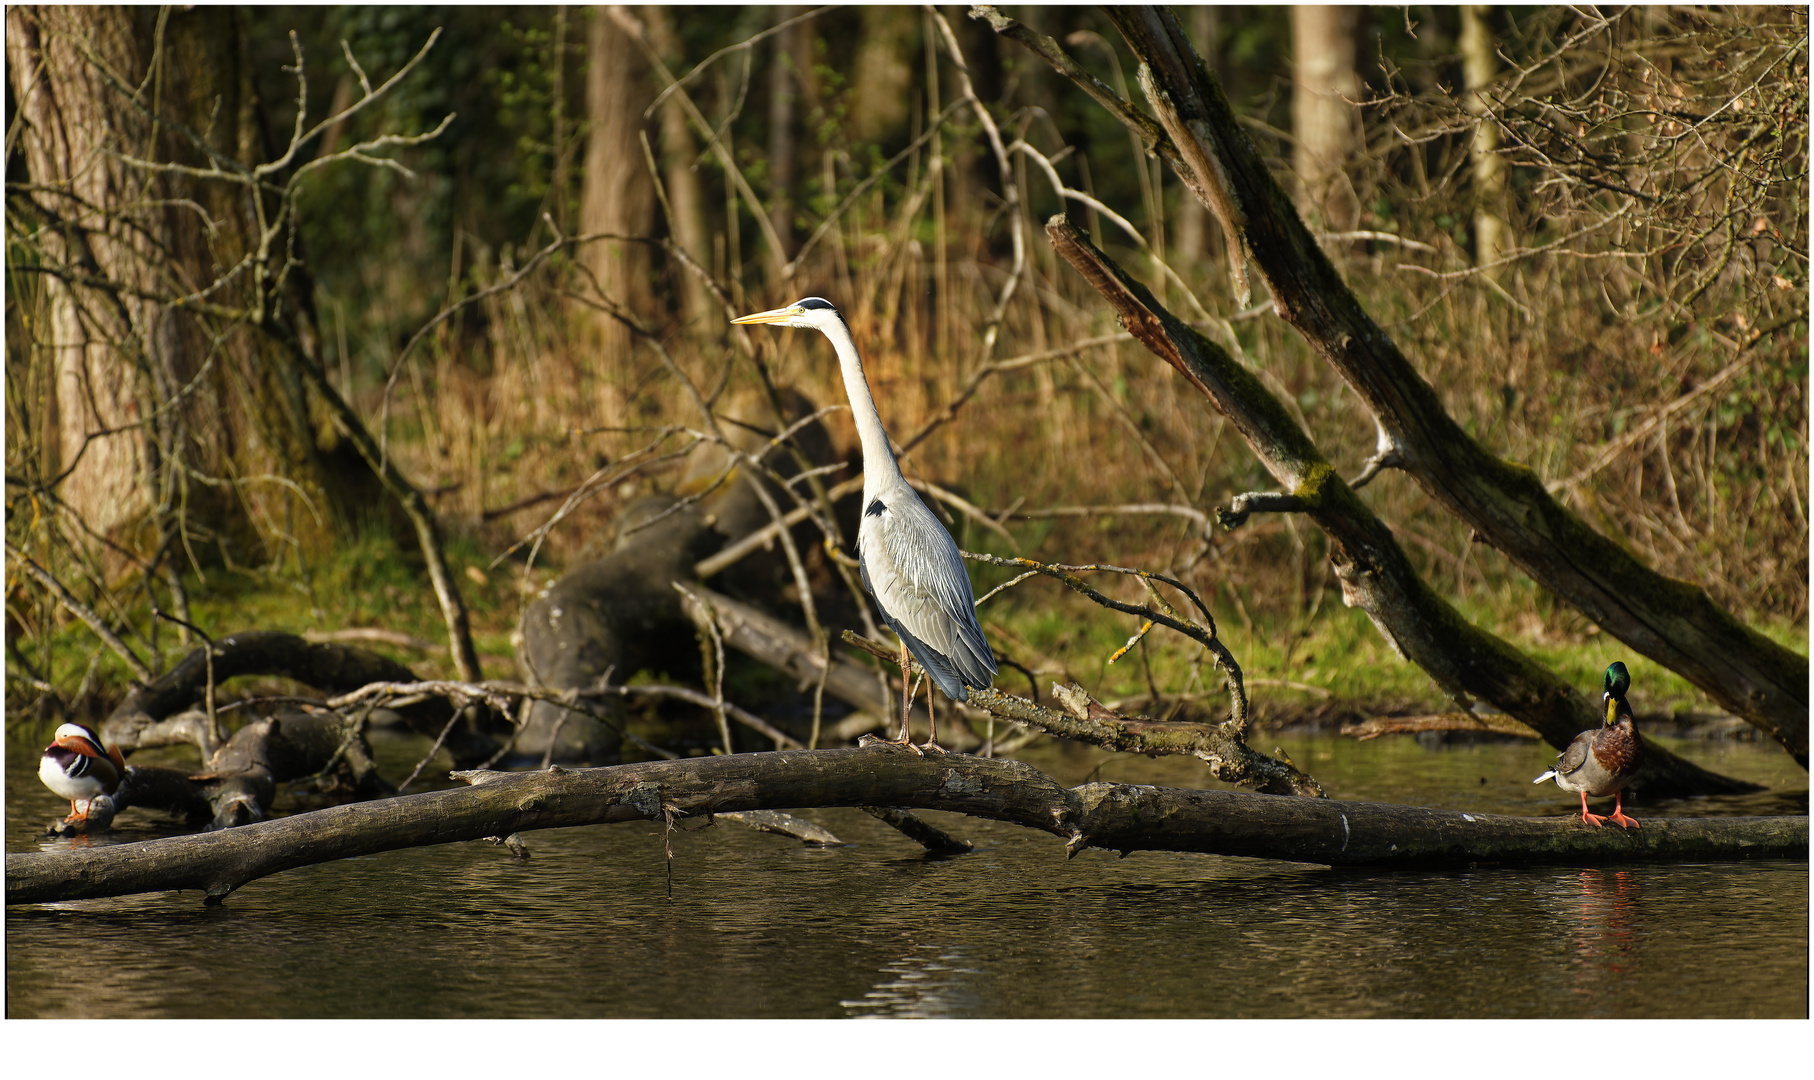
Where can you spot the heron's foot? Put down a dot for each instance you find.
(1593, 819)
(1622, 821)
(930, 747)
(900, 744)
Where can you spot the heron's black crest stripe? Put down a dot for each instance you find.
(876, 509)
(813, 303)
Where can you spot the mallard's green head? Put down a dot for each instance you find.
(1618, 680)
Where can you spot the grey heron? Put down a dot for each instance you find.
(909, 563)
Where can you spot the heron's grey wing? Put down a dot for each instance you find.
(918, 580)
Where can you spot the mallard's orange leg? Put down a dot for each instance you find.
(1591, 819)
(1618, 813)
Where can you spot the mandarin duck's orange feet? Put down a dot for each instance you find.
(77, 767)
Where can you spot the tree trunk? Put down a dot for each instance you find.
(789, 67)
(162, 407)
(1190, 228)
(616, 197)
(1327, 127)
(1480, 66)
(681, 179)
(882, 73)
(98, 347)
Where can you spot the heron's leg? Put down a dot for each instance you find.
(931, 742)
(906, 738)
(906, 691)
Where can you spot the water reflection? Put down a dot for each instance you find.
(929, 982)
(759, 926)
(1606, 926)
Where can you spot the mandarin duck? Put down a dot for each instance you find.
(1602, 761)
(78, 768)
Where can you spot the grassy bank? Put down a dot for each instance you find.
(1329, 661)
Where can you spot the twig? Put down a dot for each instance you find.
(81, 611)
(1610, 452)
(215, 731)
(715, 661)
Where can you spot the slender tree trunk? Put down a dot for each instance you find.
(616, 196)
(1480, 66)
(1191, 235)
(883, 72)
(1324, 81)
(792, 57)
(679, 176)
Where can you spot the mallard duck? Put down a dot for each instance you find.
(1602, 761)
(78, 768)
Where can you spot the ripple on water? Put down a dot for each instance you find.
(759, 926)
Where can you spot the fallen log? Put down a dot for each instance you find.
(155, 713)
(1118, 817)
(239, 774)
(608, 618)
(240, 781)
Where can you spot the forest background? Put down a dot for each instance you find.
(1617, 306)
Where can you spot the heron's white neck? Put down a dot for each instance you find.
(878, 459)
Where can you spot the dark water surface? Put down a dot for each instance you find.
(761, 926)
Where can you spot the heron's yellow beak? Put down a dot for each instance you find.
(775, 316)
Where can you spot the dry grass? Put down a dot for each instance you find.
(1546, 363)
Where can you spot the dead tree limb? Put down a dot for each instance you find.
(1673, 622)
(151, 713)
(1374, 572)
(1115, 817)
(1082, 718)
